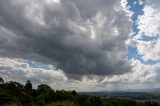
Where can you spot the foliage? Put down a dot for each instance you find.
(15, 94)
(28, 85)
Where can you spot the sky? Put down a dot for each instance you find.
(82, 45)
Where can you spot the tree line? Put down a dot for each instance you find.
(13, 93)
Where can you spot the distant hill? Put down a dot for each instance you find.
(151, 90)
(126, 95)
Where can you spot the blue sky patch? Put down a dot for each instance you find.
(137, 10)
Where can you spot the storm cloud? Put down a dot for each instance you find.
(82, 37)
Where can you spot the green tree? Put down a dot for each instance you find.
(28, 85)
(74, 93)
(43, 87)
(13, 88)
(1, 82)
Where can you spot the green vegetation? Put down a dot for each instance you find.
(15, 94)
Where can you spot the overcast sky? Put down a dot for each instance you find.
(86, 45)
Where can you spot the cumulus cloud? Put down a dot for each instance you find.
(149, 50)
(19, 70)
(84, 42)
(82, 37)
(146, 41)
(148, 26)
(142, 76)
(126, 7)
(147, 23)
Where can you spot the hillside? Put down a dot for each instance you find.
(15, 94)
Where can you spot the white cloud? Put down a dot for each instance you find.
(148, 26)
(148, 23)
(19, 70)
(141, 2)
(126, 8)
(142, 76)
(149, 50)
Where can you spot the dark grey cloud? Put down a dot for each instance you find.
(82, 37)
